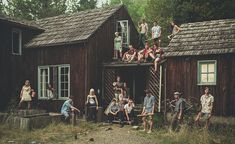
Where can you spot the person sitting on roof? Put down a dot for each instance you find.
(144, 53)
(175, 30)
(130, 55)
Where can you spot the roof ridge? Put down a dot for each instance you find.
(84, 11)
(217, 20)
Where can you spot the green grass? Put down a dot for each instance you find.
(53, 133)
(61, 133)
(187, 135)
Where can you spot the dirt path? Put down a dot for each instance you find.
(115, 135)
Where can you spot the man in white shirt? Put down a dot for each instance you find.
(207, 101)
(156, 33)
(129, 111)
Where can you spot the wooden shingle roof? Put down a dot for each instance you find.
(19, 22)
(204, 38)
(71, 28)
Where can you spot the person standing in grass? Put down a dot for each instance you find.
(207, 101)
(148, 111)
(178, 111)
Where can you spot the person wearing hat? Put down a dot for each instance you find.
(92, 105)
(67, 107)
(148, 110)
(178, 111)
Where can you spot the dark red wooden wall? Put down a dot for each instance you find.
(182, 76)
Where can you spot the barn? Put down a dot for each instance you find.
(70, 52)
(203, 54)
(14, 34)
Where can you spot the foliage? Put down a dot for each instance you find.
(80, 5)
(34, 9)
(201, 10)
(136, 8)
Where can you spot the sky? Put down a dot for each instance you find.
(99, 2)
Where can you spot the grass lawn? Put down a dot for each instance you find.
(65, 134)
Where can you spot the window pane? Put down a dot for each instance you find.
(203, 78)
(204, 68)
(211, 77)
(211, 67)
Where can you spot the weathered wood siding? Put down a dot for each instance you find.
(182, 76)
(74, 55)
(11, 66)
(100, 48)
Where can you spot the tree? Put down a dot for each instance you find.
(201, 10)
(35, 9)
(162, 12)
(136, 8)
(81, 5)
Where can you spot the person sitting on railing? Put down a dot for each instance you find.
(143, 54)
(130, 55)
(158, 54)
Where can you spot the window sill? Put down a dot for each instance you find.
(204, 84)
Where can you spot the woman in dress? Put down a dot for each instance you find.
(117, 46)
(25, 94)
(92, 104)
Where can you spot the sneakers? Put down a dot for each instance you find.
(143, 130)
(149, 132)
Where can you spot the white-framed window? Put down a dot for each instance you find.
(207, 72)
(16, 41)
(56, 75)
(122, 28)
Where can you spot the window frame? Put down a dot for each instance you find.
(128, 33)
(199, 72)
(59, 80)
(18, 31)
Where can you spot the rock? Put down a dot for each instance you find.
(107, 129)
(135, 127)
(91, 139)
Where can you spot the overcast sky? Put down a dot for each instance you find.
(99, 2)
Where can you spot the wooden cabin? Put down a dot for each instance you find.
(203, 54)
(13, 35)
(70, 52)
